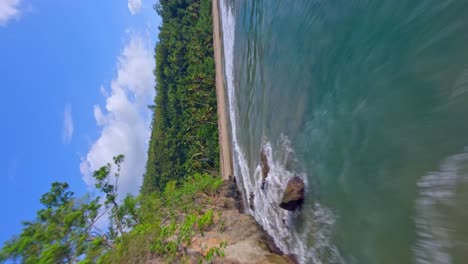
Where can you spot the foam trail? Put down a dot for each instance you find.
(439, 193)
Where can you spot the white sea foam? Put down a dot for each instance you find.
(440, 195)
(276, 221)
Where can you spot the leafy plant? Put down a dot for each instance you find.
(215, 252)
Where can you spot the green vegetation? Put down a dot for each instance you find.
(169, 222)
(181, 171)
(184, 138)
(154, 226)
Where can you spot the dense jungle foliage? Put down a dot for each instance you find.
(184, 138)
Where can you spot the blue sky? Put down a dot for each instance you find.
(75, 80)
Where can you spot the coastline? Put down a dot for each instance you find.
(223, 125)
(254, 245)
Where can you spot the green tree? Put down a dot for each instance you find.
(65, 230)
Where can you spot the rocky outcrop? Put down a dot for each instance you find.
(265, 167)
(293, 195)
(246, 241)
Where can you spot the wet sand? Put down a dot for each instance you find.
(223, 120)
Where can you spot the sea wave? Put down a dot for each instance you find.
(290, 236)
(440, 197)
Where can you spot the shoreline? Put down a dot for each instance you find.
(246, 249)
(225, 152)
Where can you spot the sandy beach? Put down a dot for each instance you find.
(223, 123)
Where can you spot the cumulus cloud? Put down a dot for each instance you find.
(125, 120)
(67, 130)
(134, 6)
(9, 10)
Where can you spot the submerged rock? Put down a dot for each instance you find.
(264, 163)
(251, 201)
(293, 195)
(265, 167)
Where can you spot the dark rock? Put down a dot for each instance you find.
(293, 196)
(265, 167)
(264, 163)
(229, 190)
(232, 191)
(251, 200)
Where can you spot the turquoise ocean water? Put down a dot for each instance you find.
(368, 102)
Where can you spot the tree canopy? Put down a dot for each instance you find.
(184, 136)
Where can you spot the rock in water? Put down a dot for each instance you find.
(265, 167)
(293, 196)
(251, 201)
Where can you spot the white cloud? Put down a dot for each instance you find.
(67, 130)
(125, 119)
(9, 10)
(134, 6)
